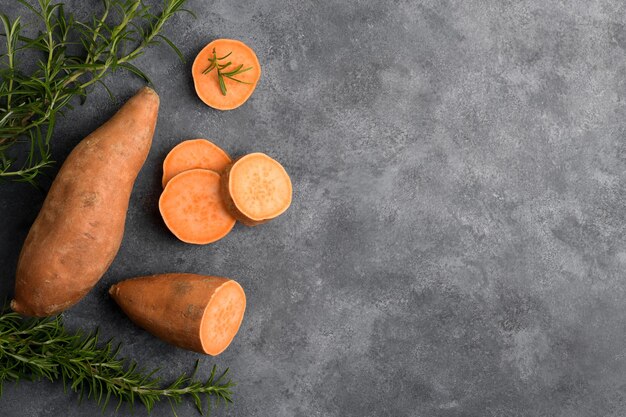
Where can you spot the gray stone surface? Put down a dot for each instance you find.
(456, 242)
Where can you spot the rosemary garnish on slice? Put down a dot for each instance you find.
(214, 63)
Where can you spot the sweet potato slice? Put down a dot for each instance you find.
(194, 153)
(194, 312)
(256, 189)
(225, 92)
(193, 209)
(80, 226)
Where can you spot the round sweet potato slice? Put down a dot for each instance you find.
(193, 208)
(225, 92)
(256, 189)
(192, 154)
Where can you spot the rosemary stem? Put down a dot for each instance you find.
(96, 32)
(26, 171)
(36, 349)
(10, 55)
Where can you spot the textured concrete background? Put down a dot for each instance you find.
(456, 244)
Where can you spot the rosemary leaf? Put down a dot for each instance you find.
(214, 63)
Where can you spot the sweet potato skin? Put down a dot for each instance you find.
(79, 229)
(170, 306)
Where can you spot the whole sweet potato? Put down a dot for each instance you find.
(80, 226)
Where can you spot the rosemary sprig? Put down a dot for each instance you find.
(42, 349)
(214, 64)
(73, 56)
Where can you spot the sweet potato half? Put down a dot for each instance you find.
(80, 226)
(194, 312)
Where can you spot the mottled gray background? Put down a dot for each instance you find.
(456, 241)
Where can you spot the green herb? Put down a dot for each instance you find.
(214, 63)
(73, 56)
(42, 349)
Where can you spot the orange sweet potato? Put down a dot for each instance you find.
(194, 153)
(80, 226)
(193, 209)
(194, 312)
(256, 189)
(228, 91)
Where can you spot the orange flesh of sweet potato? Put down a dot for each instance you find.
(222, 318)
(256, 188)
(195, 312)
(194, 153)
(193, 209)
(79, 229)
(207, 85)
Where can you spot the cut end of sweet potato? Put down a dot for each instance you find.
(194, 154)
(193, 208)
(256, 188)
(238, 88)
(222, 318)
